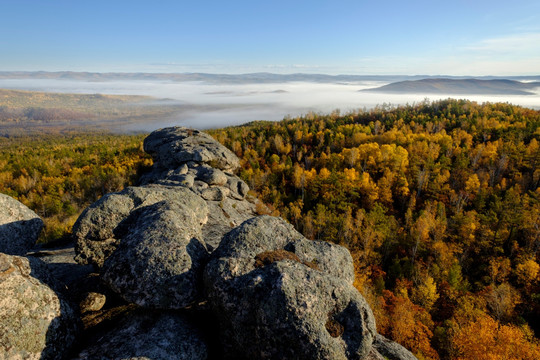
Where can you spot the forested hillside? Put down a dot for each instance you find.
(58, 176)
(439, 203)
(36, 111)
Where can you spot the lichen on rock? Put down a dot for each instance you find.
(36, 322)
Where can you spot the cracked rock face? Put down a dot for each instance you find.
(159, 262)
(35, 321)
(99, 229)
(19, 226)
(149, 336)
(280, 296)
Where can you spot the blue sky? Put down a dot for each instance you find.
(472, 37)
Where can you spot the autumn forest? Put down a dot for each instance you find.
(438, 202)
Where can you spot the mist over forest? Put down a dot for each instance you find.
(211, 104)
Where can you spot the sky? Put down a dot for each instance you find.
(414, 37)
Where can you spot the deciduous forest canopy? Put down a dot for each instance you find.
(438, 202)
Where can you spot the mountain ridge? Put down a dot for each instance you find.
(246, 78)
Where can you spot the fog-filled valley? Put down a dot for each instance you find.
(203, 105)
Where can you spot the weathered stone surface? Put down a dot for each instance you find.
(281, 296)
(374, 355)
(239, 189)
(215, 193)
(267, 233)
(149, 336)
(223, 216)
(174, 146)
(92, 302)
(211, 176)
(19, 226)
(159, 262)
(35, 321)
(391, 350)
(98, 232)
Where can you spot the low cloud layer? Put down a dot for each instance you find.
(237, 104)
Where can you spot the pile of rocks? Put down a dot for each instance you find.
(186, 254)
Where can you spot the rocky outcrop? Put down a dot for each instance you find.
(150, 336)
(187, 240)
(19, 226)
(281, 296)
(36, 322)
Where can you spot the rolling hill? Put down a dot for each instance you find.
(460, 86)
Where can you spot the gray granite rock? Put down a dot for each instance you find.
(93, 301)
(269, 233)
(149, 336)
(215, 193)
(19, 226)
(239, 189)
(159, 262)
(211, 176)
(174, 146)
(280, 296)
(35, 320)
(98, 232)
(223, 216)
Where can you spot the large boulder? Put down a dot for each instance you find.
(19, 226)
(280, 296)
(35, 320)
(160, 259)
(149, 336)
(171, 147)
(98, 230)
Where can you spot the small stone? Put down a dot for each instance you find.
(215, 193)
(200, 185)
(183, 169)
(211, 176)
(239, 189)
(92, 302)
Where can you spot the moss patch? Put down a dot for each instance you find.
(334, 328)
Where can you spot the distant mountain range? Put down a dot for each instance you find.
(460, 86)
(239, 78)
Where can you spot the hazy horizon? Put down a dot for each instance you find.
(220, 105)
(390, 38)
